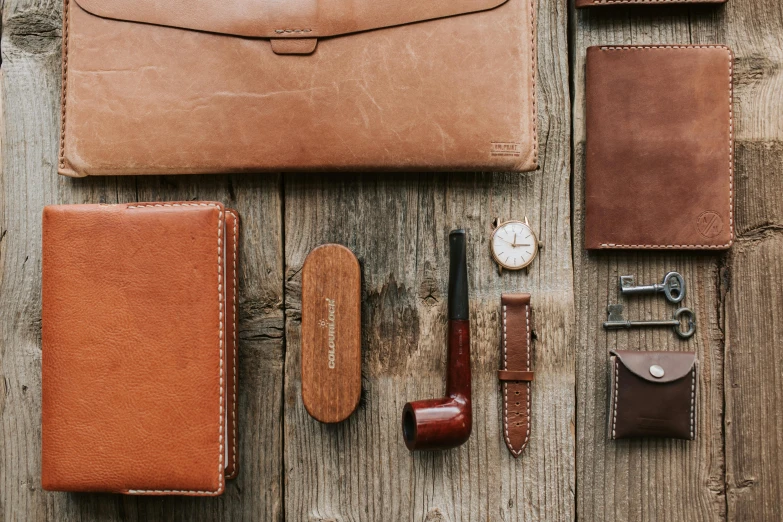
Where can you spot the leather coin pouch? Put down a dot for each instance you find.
(331, 333)
(659, 159)
(653, 394)
(139, 355)
(591, 3)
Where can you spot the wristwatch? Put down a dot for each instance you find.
(513, 244)
(516, 373)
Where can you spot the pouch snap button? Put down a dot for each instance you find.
(656, 371)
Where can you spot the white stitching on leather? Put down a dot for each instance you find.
(219, 489)
(527, 323)
(693, 402)
(731, 143)
(616, 397)
(534, 67)
(236, 346)
(505, 384)
(64, 79)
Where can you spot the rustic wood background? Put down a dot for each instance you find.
(292, 468)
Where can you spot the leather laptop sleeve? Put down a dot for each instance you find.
(660, 148)
(590, 3)
(162, 87)
(139, 348)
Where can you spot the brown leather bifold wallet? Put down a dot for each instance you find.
(204, 86)
(653, 394)
(659, 161)
(139, 365)
(590, 3)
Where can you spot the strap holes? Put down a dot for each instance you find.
(516, 393)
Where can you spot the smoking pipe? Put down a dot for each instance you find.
(446, 422)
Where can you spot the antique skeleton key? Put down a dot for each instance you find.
(616, 321)
(673, 287)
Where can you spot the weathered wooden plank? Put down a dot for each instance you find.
(398, 226)
(30, 132)
(645, 479)
(753, 275)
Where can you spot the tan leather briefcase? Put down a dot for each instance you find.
(223, 86)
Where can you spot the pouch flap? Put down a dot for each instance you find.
(675, 365)
(282, 18)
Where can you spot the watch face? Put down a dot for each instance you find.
(514, 245)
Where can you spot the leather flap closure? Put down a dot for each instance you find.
(282, 18)
(657, 366)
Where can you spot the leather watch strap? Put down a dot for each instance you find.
(516, 373)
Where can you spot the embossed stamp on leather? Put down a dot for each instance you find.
(660, 148)
(139, 362)
(161, 87)
(653, 394)
(591, 3)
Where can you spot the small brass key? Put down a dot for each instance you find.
(617, 321)
(673, 287)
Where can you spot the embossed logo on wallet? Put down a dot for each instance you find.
(653, 425)
(709, 224)
(328, 325)
(500, 148)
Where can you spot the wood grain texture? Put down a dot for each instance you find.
(360, 470)
(398, 226)
(643, 480)
(30, 131)
(331, 333)
(752, 276)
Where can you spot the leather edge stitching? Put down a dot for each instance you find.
(731, 143)
(64, 80)
(534, 66)
(527, 421)
(616, 393)
(505, 385)
(219, 489)
(235, 345)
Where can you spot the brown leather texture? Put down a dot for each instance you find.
(157, 87)
(660, 148)
(517, 357)
(643, 405)
(139, 348)
(591, 3)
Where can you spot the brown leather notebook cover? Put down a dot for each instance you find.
(139, 348)
(590, 3)
(162, 87)
(660, 148)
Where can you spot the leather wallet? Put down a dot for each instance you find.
(660, 148)
(516, 373)
(139, 363)
(653, 394)
(162, 87)
(590, 3)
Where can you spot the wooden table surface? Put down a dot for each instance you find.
(293, 468)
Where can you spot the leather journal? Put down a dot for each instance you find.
(139, 363)
(516, 373)
(653, 394)
(162, 87)
(590, 3)
(659, 156)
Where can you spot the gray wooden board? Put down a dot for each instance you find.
(296, 469)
